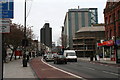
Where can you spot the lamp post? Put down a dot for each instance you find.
(24, 42)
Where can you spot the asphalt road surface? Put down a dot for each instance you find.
(90, 70)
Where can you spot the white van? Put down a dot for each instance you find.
(70, 55)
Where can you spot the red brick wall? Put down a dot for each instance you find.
(109, 27)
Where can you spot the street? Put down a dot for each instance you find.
(90, 70)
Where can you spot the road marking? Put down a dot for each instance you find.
(91, 68)
(62, 70)
(110, 73)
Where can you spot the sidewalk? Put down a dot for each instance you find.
(15, 69)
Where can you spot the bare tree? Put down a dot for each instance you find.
(13, 40)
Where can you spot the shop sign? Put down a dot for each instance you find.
(106, 43)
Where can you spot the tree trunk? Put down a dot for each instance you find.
(11, 56)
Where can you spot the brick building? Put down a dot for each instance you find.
(112, 23)
(112, 19)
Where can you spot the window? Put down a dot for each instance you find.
(113, 17)
(110, 35)
(119, 30)
(110, 19)
(118, 14)
(106, 20)
(107, 34)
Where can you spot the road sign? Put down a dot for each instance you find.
(4, 22)
(4, 25)
(4, 29)
(6, 8)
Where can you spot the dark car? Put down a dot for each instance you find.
(60, 59)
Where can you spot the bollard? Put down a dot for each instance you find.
(24, 62)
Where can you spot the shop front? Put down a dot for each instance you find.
(107, 49)
(118, 50)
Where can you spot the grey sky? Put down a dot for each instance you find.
(52, 11)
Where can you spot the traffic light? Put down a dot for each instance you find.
(25, 42)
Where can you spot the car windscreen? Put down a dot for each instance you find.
(61, 56)
(71, 54)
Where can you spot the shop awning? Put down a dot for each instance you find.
(106, 43)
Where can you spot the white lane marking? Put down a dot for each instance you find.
(61, 70)
(110, 73)
(91, 68)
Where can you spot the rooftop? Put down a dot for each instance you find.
(91, 29)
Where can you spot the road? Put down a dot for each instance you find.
(90, 70)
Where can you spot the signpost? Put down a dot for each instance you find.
(6, 13)
(4, 25)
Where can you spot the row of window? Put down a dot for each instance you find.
(110, 33)
(112, 18)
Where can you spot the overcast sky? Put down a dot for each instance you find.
(53, 12)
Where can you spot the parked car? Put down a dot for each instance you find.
(49, 57)
(60, 59)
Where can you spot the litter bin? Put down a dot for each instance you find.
(24, 62)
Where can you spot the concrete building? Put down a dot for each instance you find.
(75, 19)
(85, 41)
(46, 35)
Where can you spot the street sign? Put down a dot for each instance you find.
(6, 8)
(4, 22)
(4, 29)
(4, 25)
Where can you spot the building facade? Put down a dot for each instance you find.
(112, 19)
(112, 25)
(75, 19)
(46, 35)
(85, 42)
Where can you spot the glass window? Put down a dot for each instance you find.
(118, 14)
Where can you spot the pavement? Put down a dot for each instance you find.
(37, 69)
(15, 69)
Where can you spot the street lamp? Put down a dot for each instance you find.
(25, 41)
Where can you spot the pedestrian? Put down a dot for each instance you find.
(95, 57)
(33, 54)
(30, 54)
(27, 54)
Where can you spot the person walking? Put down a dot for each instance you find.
(27, 54)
